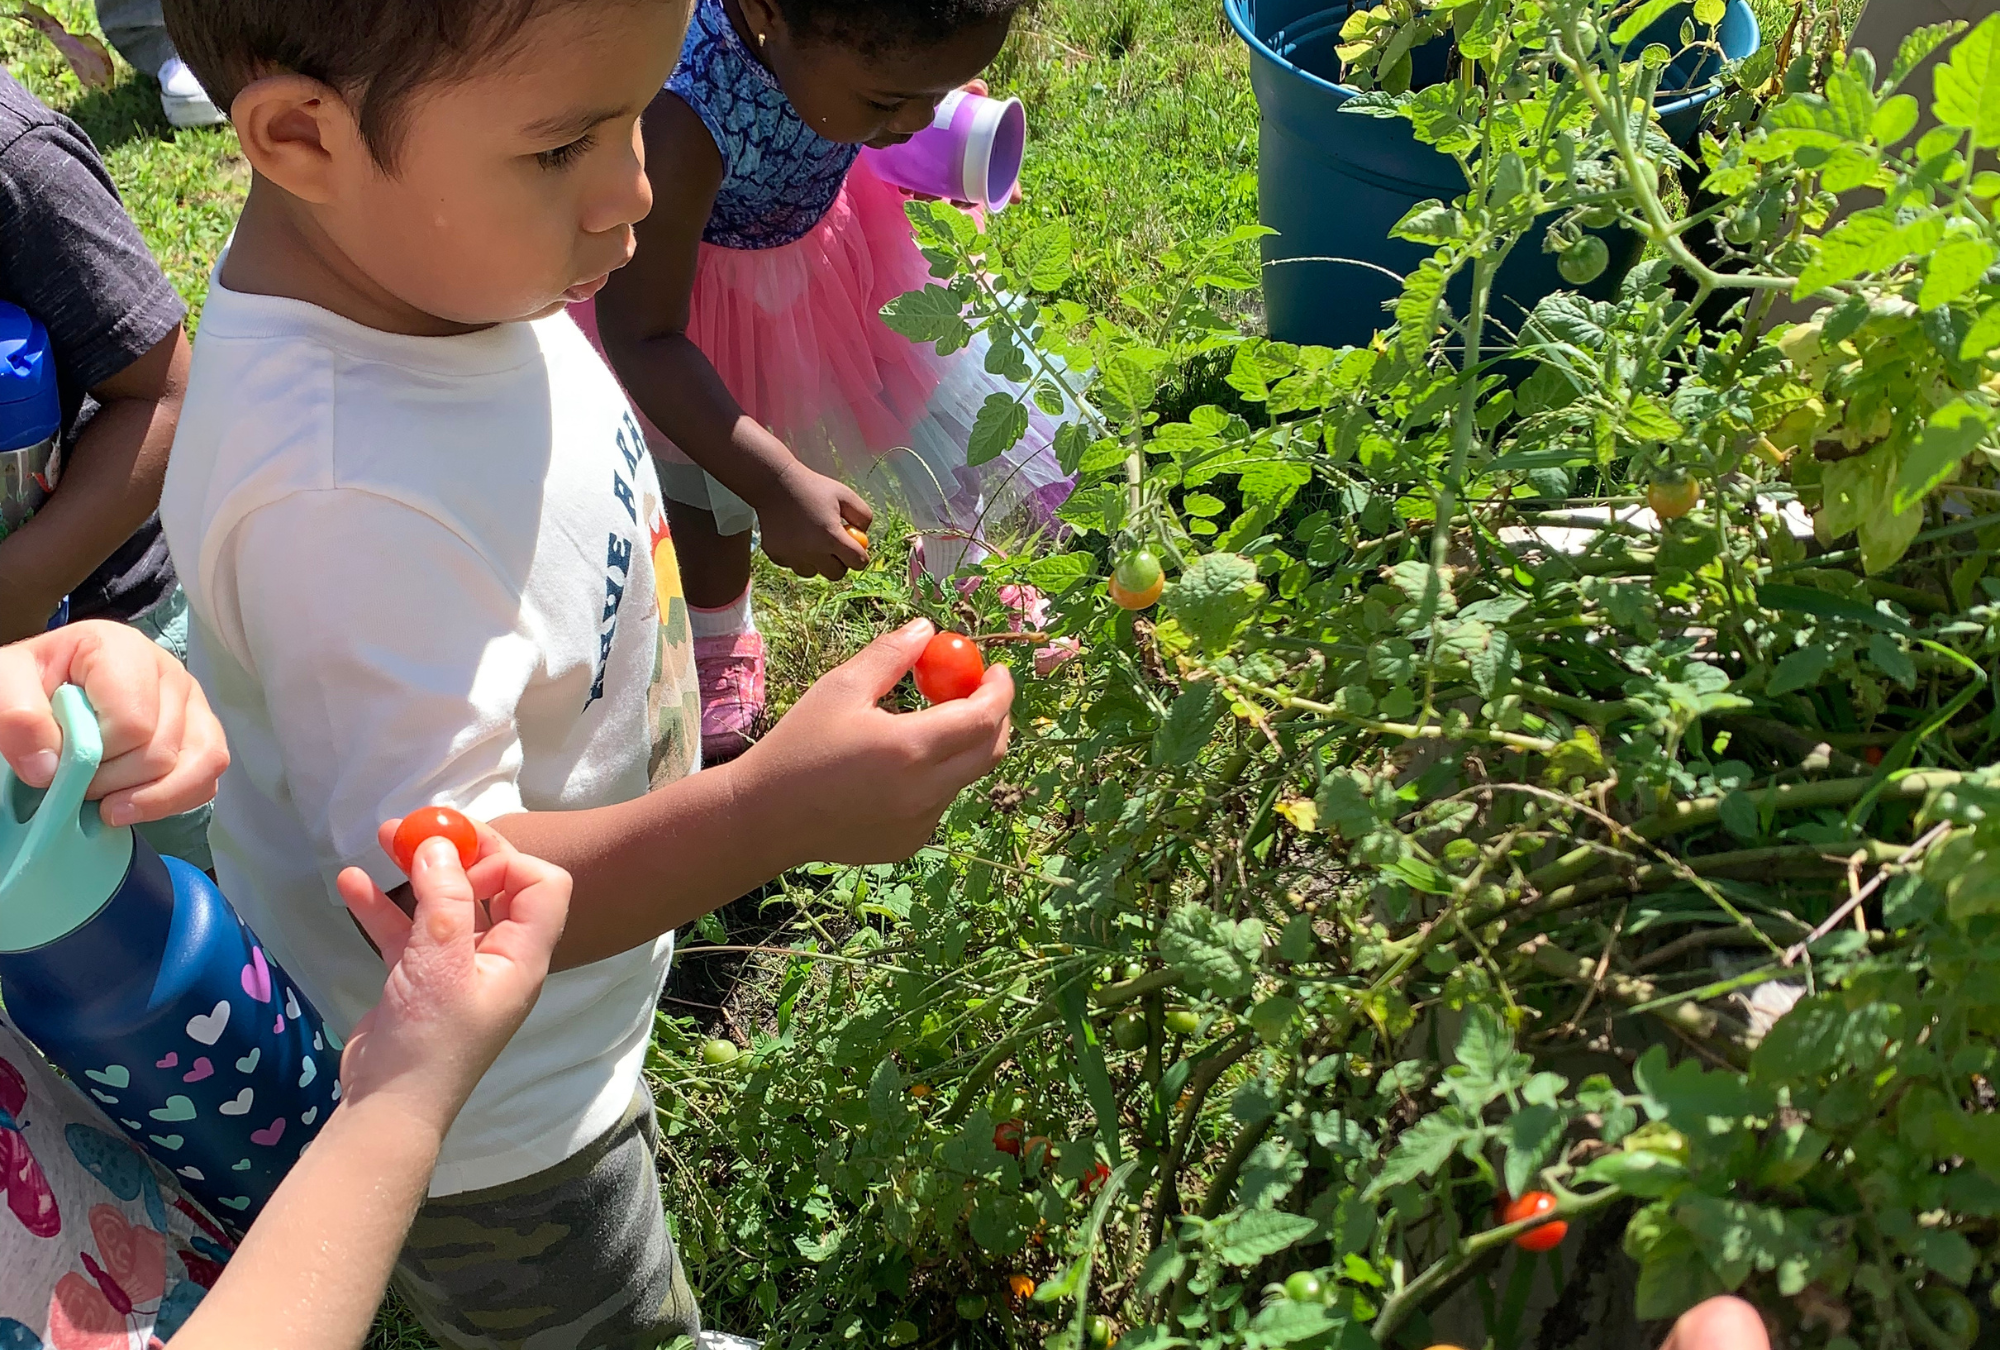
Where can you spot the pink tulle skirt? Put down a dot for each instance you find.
(797, 335)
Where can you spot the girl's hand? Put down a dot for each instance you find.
(860, 784)
(163, 749)
(464, 971)
(804, 522)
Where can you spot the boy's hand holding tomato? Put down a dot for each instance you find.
(464, 970)
(862, 784)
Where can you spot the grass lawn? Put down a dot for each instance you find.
(1143, 132)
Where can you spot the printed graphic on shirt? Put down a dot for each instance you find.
(618, 549)
(673, 702)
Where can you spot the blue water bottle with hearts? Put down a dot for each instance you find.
(134, 976)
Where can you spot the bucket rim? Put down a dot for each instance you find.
(1234, 11)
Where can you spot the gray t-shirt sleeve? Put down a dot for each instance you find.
(70, 256)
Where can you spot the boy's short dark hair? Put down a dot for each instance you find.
(872, 26)
(377, 53)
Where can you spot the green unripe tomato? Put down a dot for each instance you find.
(1742, 226)
(1183, 1021)
(972, 1307)
(717, 1052)
(1099, 1329)
(1272, 1019)
(1138, 570)
(1128, 1030)
(1584, 261)
(1598, 216)
(1133, 970)
(902, 1333)
(1302, 1286)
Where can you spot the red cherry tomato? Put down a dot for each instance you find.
(1008, 1134)
(1873, 754)
(1096, 1176)
(950, 668)
(1542, 1237)
(431, 822)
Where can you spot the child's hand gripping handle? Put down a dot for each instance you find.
(59, 863)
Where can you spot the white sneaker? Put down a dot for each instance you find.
(186, 103)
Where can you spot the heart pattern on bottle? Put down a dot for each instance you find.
(208, 1027)
(257, 976)
(178, 1108)
(200, 1069)
(248, 1064)
(239, 1105)
(111, 1075)
(307, 1072)
(270, 1134)
(167, 1061)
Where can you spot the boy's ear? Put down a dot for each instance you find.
(298, 133)
(763, 18)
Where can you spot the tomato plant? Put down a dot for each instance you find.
(949, 668)
(719, 1053)
(1447, 829)
(434, 822)
(1672, 498)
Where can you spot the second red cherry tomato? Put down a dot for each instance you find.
(1008, 1134)
(951, 667)
(432, 822)
(1542, 1237)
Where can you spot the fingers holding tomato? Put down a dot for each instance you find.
(949, 669)
(434, 822)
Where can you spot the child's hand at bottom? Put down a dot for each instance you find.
(464, 971)
(860, 784)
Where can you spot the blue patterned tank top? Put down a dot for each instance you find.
(779, 176)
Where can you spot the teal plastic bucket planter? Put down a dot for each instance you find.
(1333, 184)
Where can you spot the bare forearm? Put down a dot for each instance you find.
(675, 385)
(646, 867)
(312, 1269)
(110, 485)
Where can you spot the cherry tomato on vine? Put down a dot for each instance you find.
(1008, 1134)
(1302, 1286)
(1037, 1149)
(1020, 1287)
(1128, 1030)
(1099, 1328)
(1542, 1237)
(1183, 1021)
(433, 822)
(1873, 754)
(1096, 1175)
(859, 536)
(1672, 498)
(1137, 580)
(951, 667)
(972, 1307)
(1583, 261)
(716, 1052)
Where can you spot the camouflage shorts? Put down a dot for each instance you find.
(574, 1258)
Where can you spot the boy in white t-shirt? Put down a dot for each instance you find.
(426, 558)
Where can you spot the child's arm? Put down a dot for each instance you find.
(642, 316)
(110, 484)
(312, 1268)
(837, 780)
(163, 748)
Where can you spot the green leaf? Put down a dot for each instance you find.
(1000, 1222)
(1416, 311)
(1697, 1102)
(1423, 1149)
(1488, 1064)
(1255, 1234)
(933, 315)
(998, 428)
(1088, 1059)
(1273, 483)
(1640, 19)
(1056, 574)
(1867, 241)
(1343, 806)
(1738, 814)
(1162, 1267)
(1968, 85)
(1214, 597)
(1895, 119)
(1983, 336)
(1892, 660)
(885, 1093)
(1043, 259)
(1287, 1322)
(1532, 1135)
(1946, 439)
(1954, 267)
(1188, 725)
(1824, 605)
(1799, 670)
(1641, 1172)
(1211, 953)
(1919, 44)
(1709, 12)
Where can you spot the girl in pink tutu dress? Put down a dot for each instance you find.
(748, 327)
